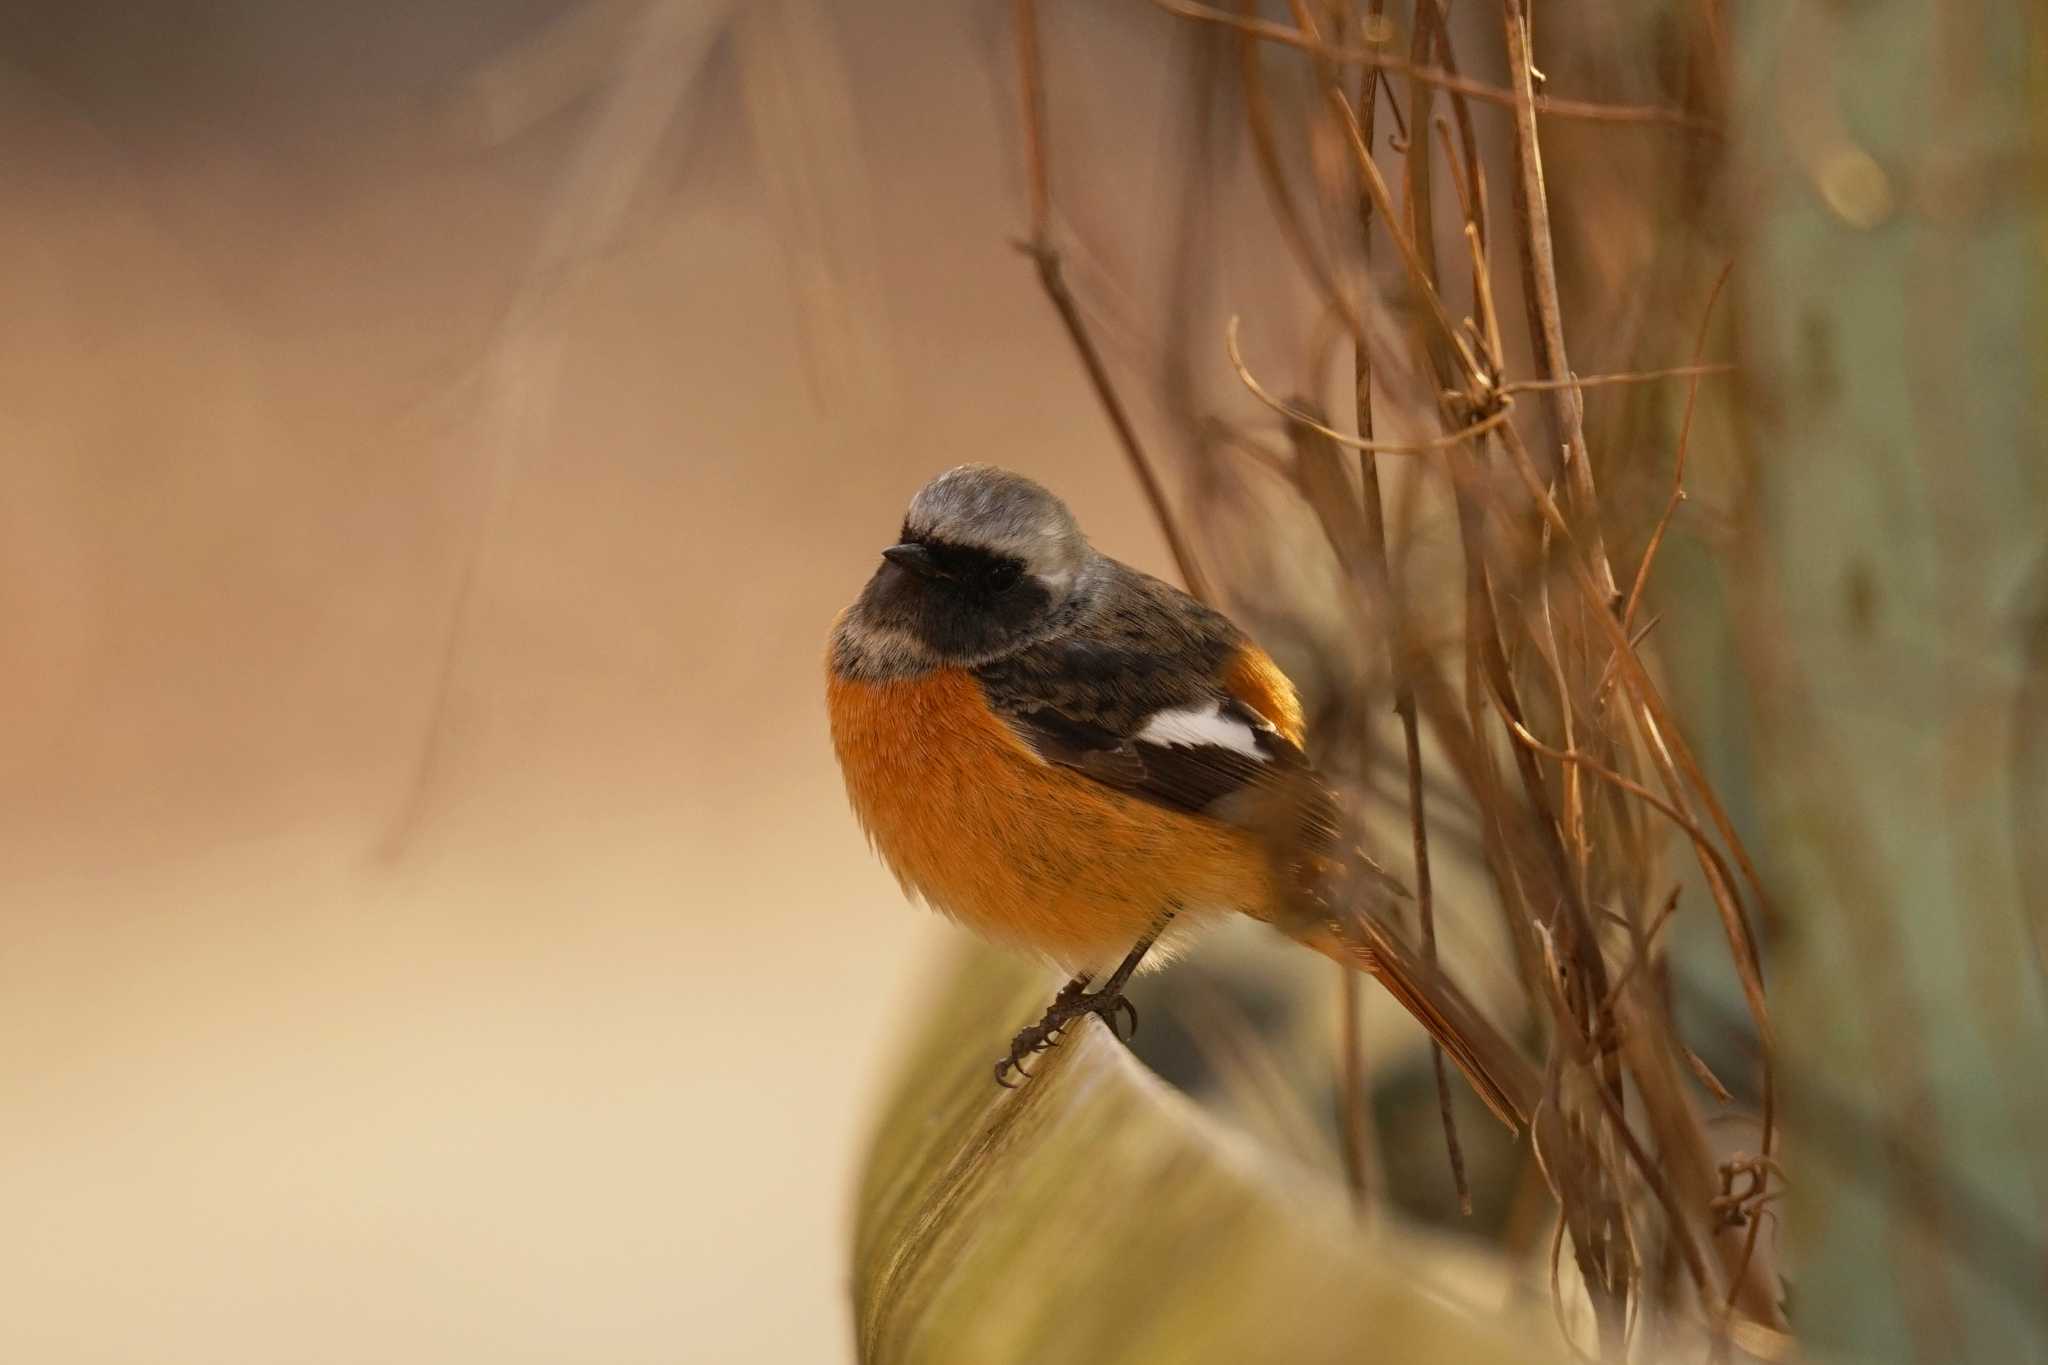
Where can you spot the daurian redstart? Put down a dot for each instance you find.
(1072, 757)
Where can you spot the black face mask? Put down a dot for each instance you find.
(961, 601)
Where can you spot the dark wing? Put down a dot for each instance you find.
(1138, 695)
(1207, 759)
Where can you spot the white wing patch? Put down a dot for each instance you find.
(1193, 727)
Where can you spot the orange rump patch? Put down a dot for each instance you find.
(1254, 679)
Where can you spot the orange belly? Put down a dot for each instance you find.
(1019, 850)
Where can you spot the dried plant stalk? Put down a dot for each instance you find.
(1598, 781)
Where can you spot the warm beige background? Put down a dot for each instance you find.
(565, 1059)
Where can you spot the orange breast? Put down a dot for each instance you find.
(1023, 852)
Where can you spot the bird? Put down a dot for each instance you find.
(1079, 760)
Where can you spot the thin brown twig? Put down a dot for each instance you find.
(1353, 996)
(1294, 413)
(1462, 182)
(1266, 155)
(1270, 460)
(1464, 161)
(1635, 641)
(1507, 391)
(1682, 1230)
(1047, 258)
(1352, 1118)
(1594, 381)
(1546, 642)
(1706, 1077)
(1412, 251)
(1539, 278)
(1643, 944)
(1419, 220)
(1692, 393)
(1548, 105)
(1036, 167)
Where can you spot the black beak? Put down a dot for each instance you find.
(914, 558)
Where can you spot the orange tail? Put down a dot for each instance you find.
(1503, 1077)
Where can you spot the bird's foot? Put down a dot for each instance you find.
(1073, 1002)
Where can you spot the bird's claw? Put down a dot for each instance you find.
(1073, 1002)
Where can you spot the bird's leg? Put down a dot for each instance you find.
(1075, 1000)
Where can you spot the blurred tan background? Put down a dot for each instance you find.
(436, 439)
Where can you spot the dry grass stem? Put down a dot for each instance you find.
(1045, 255)
(1422, 74)
(1507, 636)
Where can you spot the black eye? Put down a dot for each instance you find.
(1001, 577)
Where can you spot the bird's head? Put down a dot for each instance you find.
(986, 563)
